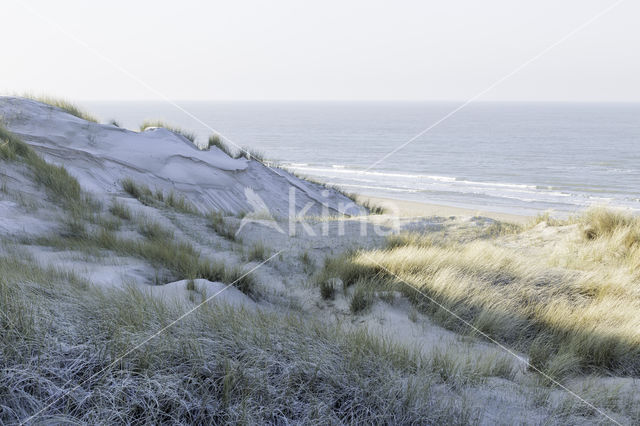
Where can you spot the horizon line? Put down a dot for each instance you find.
(513, 101)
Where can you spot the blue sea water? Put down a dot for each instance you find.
(521, 158)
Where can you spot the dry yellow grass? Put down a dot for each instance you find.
(573, 303)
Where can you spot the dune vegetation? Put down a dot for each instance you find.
(63, 105)
(177, 130)
(216, 221)
(120, 210)
(572, 305)
(254, 154)
(150, 198)
(63, 187)
(258, 252)
(372, 207)
(215, 140)
(73, 352)
(85, 228)
(174, 258)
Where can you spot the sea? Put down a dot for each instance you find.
(520, 158)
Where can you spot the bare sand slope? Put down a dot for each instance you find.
(100, 156)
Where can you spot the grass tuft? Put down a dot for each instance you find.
(63, 105)
(409, 238)
(361, 299)
(139, 191)
(603, 223)
(159, 248)
(177, 202)
(63, 187)
(154, 231)
(306, 259)
(373, 208)
(240, 279)
(215, 140)
(120, 210)
(147, 197)
(221, 227)
(258, 251)
(348, 271)
(253, 154)
(327, 289)
(157, 123)
(498, 228)
(548, 219)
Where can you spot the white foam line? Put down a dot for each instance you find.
(447, 179)
(382, 188)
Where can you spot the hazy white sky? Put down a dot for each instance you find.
(329, 50)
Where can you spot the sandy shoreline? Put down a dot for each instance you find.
(414, 208)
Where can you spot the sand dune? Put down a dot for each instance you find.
(100, 156)
(288, 338)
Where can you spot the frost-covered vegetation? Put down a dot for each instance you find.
(106, 313)
(67, 356)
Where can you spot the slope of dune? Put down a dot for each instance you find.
(123, 309)
(102, 155)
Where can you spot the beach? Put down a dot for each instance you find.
(404, 208)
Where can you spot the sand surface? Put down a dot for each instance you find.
(405, 208)
(101, 156)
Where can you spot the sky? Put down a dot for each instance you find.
(321, 50)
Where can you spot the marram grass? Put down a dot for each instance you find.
(64, 105)
(177, 130)
(572, 305)
(66, 350)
